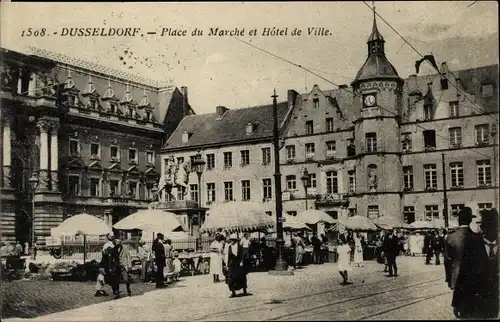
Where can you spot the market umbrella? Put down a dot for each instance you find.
(82, 224)
(293, 222)
(387, 222)
(403, 225)
(236, 217)
(314, 216)
(150, 221)
(422, 224)
(358, 223)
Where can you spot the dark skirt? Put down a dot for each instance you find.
(236, 278)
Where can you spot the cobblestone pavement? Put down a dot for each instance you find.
(313, 293)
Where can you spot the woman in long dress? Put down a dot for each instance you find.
(344, 259)
(216, 252)
(236, 278)
(358, 251)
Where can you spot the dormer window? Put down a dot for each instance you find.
(112, 108)
(131, 111)
(487, 90)
(70, 100)
(249, 128)
(185, 137)
(147, 116)
(93, 104)
(316, 102)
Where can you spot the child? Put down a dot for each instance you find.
(177, 266)
(100, 284)
(344, 259)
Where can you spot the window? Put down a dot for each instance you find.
(132, 189)
(148, 192)
(431, 212)
(228, 160)
(93, 104)
(70, 100)
(371, 142)
(150, 157)
(113, 188)
(409, 214)
(313, 180)
(130, 111)
(483, 173)
(210, 161)
(455, 134)
(309, 127)
(95, 151)
(352, 212)
(351, 148)
(267, 189)
(457, 174)
(114, 153)
(291, 182)
(310, 150)
(455, 209)
(211, 191)
(406, 141)
(482, 206)
(430, 173)
(454, 110)
(245, 157)
(290, 152)
(245, 190)
(74, 147)
(329, 124)
(316, 102)
(292, 213)
(132, 155)
(228, 191)
(482, 134)
(428, 112)
(429, 139)
(180, 160)
(95, 184)
(352, 180)
(487, 90)
(180, 194)
(74, 184)
(331, 148)
(373, 212)
(193, 189)
(408, 178)
(266, 156)
(332, 184)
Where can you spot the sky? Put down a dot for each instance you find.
(224, 71)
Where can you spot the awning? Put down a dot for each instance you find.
(82, 224)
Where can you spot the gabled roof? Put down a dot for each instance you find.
(151, 172)
(95, 165)
(76, 163)
(207, 129)
(133, 169)
(115, 167)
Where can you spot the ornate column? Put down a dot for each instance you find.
(54, 157)
(7, 153)
(43, 175)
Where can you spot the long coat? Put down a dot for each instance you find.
(489, 289)
(236, 278)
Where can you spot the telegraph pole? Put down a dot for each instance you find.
(445, 195)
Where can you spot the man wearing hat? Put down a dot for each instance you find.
(104, 266)
(160, 259)
(489, 299)
(462, 260)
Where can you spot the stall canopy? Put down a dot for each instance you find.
(387, 222)
(82, 224)
(151, 221)
(357, 223)
(314, 216)
(237, 217)
(422, 225)
(293, 222)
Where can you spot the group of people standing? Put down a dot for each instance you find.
(231, 259)
(471, 266)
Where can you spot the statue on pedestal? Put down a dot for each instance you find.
(372, 179)
(175, 176)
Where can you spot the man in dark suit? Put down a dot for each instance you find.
(428, 251)
(160, 259)
(391, 249)
(462, 261)
(489, 300)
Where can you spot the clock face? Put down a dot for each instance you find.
(369, 100)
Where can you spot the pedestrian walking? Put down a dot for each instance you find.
(428, 249)
(316, 243)
(245, 248)
(344, 259)
(298, 244)
(462, 261)
(168, 255)
(488, 292)
(145, 258)
(391, 249)
(216, 254)
(358, 251)
(125, 261)
(160, 260)
(236, 273)
(177, 266)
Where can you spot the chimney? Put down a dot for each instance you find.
(185, 102)
(292, 97)
(412, 83)
(343, 86)
(220, 110)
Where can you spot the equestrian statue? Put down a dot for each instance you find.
(175, 176)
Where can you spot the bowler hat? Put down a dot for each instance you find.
(489, 217)
(465, 215)
(160, 236)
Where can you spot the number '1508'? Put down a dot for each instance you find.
(34, 32)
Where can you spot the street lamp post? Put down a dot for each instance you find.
(33, 184)
(306, 182)
(199, 165)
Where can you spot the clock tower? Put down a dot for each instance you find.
(378, 106)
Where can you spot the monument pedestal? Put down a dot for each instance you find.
(190, 215)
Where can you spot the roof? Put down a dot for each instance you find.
(207, 129)
(375, 35)
(376, 66)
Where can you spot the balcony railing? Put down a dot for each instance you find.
(331, 199)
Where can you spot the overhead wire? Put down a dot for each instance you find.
(329, 81)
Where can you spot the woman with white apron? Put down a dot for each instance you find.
(216, 253)
(358, 251)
